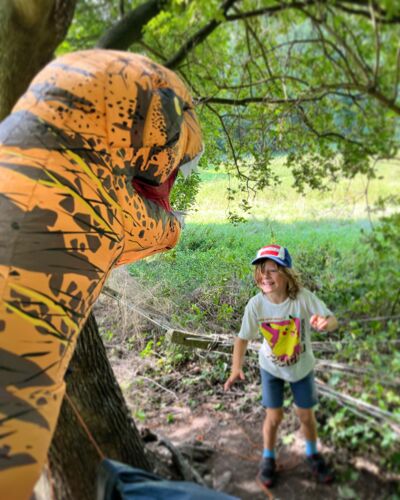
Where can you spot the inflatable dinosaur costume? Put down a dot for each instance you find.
(88, 157)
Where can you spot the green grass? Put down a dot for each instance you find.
(212, 262)
(212, 256)
(347, 200)
(212, 250)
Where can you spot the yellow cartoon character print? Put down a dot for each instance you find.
(283, 337)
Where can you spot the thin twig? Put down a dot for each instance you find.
(377, 44)
(322, 365)
(397, 77)
(198, 37)
(158, 385)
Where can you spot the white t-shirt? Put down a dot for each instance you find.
(286, 351)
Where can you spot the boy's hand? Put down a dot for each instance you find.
(232, 379)
(319, 323)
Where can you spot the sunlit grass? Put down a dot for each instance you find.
(348, 199)
(212, 250)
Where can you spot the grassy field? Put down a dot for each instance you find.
(348, 200)
(323, 231)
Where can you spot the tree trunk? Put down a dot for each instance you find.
(96, 395)
(30, 31)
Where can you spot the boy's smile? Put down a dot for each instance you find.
(273, 283)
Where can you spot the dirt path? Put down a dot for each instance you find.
(234, 438)
(237, 448)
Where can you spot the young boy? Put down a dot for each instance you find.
(282, 313)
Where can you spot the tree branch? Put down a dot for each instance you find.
(384, 16)
(397, 77)
(341, 42)
(377, 46)
(365, 408)
(198, 37)
(129, 29)
(232, 147)
(272, 78)
(257, 99)
(329, 135)
(269, 10)
(153, 51)
(261, 47)
(354, 42)
(389, 103)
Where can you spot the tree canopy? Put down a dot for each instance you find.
(316, 81)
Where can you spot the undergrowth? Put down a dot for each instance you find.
(207, 281)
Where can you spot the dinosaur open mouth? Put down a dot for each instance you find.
(159, 194)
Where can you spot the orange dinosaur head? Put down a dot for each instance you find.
(123, 105)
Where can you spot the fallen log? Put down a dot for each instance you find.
(324, 365)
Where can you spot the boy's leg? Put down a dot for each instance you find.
(267, 472)
(305, 398)
(272, 400)
(304, 393)
(308, 423)
(272, 420)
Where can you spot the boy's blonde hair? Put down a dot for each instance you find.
(294, 281)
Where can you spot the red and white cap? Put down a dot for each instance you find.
(278, 254)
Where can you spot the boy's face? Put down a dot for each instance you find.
(272, 280)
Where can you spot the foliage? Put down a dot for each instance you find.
(315, 83)
(91, 19)
(184, 191)
(326, 121)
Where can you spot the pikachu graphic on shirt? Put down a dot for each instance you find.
(284, 338)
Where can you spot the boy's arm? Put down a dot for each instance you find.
(322, 319)
(324, 323)
(239, 351)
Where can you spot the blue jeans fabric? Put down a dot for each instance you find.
(304, 391)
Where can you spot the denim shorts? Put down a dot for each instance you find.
(304, 391)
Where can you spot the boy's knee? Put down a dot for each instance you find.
(306, 416)
(274, 417)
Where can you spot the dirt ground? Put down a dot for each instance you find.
(231, 438)
(219, 434)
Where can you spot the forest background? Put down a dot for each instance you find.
(299, 104)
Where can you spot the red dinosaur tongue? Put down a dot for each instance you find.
(157, 194)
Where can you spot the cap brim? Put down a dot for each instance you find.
(270, 257)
